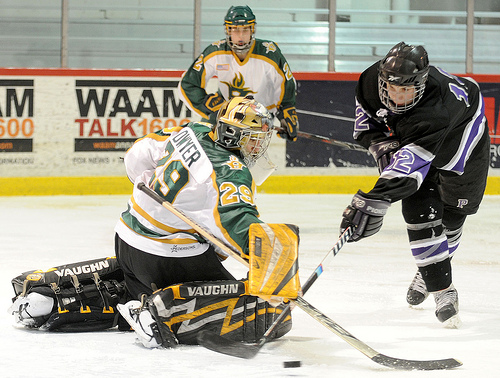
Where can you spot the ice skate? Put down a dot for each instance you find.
(447, 307)
(141, 321)
(417, 292)
(151, 333)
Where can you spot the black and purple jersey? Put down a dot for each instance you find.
(443, 131)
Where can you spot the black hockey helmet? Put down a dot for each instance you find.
(239, 16)
(403, 66)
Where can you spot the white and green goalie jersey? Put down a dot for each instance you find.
(264, 73)
(210, 184)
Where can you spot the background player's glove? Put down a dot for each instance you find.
(365, 215)
(289, 122)
(213, 102)
(382, 152)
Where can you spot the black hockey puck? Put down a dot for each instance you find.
(292, 364)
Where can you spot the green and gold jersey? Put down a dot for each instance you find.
(264, 73)
(210, 184)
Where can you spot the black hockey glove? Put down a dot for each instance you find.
(365, 215)
(289, 123)
(213, 102)
(382, 151)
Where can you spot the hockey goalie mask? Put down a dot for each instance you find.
(402, 76)
(240, 20)
(244, 125)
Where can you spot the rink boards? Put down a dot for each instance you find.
(65, 131)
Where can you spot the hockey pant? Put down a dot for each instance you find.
(81, 296)
(223, 307)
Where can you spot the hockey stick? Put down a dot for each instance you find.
(379, 358)
(217, 343)
(324, 139)
(325, 115)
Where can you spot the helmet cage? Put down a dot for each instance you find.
(252, 144)
(239, 48)
(383, 93)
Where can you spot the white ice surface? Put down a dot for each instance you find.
(363, 288)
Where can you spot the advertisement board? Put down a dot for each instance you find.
(79, 123)
(76, 125)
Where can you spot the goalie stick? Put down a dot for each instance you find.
(379, 358)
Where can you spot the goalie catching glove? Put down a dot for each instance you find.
(364, 215)
(289, 123)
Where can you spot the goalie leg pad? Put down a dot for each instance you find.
(83, 296)
(223, 307)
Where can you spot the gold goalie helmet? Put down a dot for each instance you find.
(244, 125)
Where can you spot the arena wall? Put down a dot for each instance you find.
(65, 131)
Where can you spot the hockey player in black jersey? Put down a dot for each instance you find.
(428, 133)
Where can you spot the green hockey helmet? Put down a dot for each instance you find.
(239, 16)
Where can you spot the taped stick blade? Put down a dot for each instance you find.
(399, 363)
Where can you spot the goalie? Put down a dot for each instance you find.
(203, 170)
(170, 282)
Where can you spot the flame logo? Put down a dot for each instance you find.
(237, 87)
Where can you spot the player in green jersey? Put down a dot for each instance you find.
(242, 65)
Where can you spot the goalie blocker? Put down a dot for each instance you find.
(76, 297)
(273, 260)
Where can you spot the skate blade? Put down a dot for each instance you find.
(454, 322)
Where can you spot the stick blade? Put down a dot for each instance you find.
(220, 344)
(398, 363)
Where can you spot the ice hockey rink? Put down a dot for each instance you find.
(363, 289)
